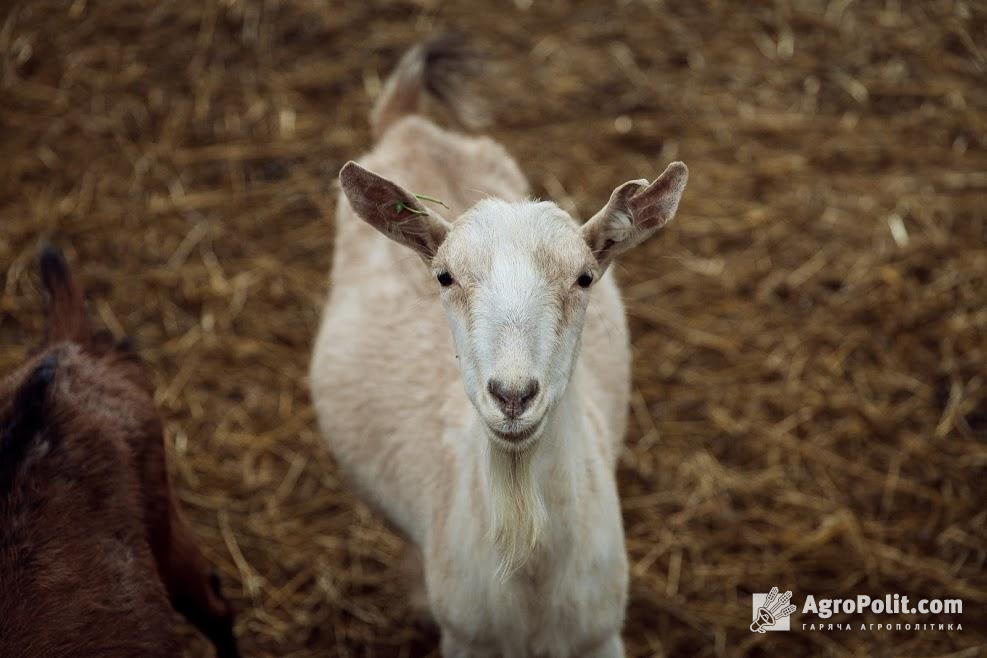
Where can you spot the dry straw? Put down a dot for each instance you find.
(810, 392)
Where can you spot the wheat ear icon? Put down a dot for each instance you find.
(774, 608)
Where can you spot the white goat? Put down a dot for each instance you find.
(509, 490)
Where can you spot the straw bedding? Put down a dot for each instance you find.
(810, 335)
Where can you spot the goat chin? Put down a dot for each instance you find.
(518, 515)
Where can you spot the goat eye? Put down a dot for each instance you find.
(584, 280)
(445, 279)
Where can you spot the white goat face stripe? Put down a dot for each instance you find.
(515, 310)
(511, 316)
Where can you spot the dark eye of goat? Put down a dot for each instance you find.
(584, 280)
(445, 279)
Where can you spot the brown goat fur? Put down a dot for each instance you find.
(92, 543)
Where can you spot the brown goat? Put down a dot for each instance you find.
(92, 543)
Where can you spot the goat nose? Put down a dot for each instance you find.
(515, 398)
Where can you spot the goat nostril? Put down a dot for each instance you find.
(529, 391)
(498, 391)
(513, 400)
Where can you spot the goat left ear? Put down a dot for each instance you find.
(391, 210)
(25, 417)
(635, 211)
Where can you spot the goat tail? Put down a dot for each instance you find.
(438, 68)
(66, 309)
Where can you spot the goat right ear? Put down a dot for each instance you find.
(392, 211)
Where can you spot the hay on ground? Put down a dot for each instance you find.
(810, 335)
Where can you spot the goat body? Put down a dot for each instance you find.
(94, 552)
(392, 406)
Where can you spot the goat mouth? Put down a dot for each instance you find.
(515, 439)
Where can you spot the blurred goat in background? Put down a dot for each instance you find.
(92, 544)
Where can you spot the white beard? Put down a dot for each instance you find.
(518, 510)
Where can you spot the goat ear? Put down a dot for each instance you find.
(30, 398)
(392, 211)
(635, 211)
(26, 415)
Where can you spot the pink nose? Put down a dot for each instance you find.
(513, 399)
